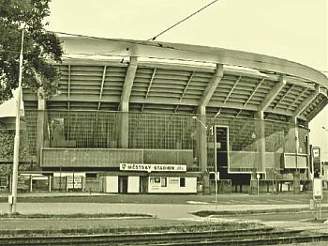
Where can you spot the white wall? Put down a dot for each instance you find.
(111, 184)
(325, 173)
(172, 185)
(133, 184)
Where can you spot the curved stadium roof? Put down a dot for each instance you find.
(98, 74)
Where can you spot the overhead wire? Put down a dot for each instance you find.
(145, 43)
(182, 20)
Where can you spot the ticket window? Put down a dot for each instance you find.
(182, 182)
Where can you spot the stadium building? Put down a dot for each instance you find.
(153, 117)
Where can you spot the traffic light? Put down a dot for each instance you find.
(316, 161)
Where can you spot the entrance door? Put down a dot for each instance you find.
(222, 150)
(122, 184)
(143, 184)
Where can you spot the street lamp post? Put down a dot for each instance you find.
(216, 183)
(297, 177)
(326, 130)
(12, 199)
(258, 183)
(255, 168)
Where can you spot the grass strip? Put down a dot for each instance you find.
(198, 227)
(206, 213)
(77, 215)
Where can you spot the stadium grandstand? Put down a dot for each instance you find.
(153, 117)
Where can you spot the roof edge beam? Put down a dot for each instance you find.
(254, 91)
(284, 96)
(211, 87)
(102, 86)
(232, 89)
(272, 95)
(318, 109)
(187, 85)
(151, 82)
(128, 82)
(306, 103)
(297, 98)
(69, 87)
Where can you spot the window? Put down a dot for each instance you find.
(155, 180)
(163, 182)
(91, 175)
(182, 182)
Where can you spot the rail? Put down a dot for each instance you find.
(257, 236)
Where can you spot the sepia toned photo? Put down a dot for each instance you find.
(160, 122)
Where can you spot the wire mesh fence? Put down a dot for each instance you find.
(100, 129)
(161, 131)
(244, 140)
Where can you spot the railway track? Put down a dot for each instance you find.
(261, 236)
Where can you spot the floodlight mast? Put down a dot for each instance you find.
(201, 122)
(12, 199)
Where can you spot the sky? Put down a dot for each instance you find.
(292, 29)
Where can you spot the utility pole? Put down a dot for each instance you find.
(12, 199)
(297, 176)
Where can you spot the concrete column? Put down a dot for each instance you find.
(296, 175)
(49, 183)
(296, 137)
(260, 141)
(84, 184)
(291, 145)
(201, 127)
(10, 182)
(127, 87)
(259, 165)
(124, 126)
(202, 147)
(31, 183)
(66, 184)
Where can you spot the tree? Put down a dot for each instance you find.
(42, 49)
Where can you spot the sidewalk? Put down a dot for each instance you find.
(199, 196)
(187, 199)
(55, 194)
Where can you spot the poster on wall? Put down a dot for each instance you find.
(74, 183)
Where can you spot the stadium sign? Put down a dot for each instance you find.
(152, 167)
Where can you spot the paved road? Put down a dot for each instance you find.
(162, 206)
(167, 215)
(162, 211)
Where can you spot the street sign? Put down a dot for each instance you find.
(317, 189)
(217, 175)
